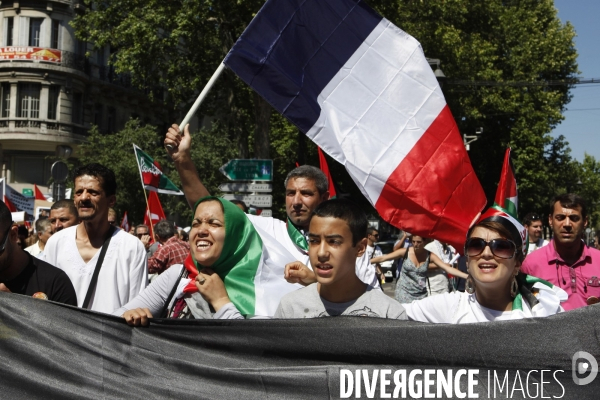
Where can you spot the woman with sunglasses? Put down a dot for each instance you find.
(495, 289)
(413, 283)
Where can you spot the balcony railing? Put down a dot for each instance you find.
(44, 55)
(41, 126)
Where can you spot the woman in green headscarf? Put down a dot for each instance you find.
(221, 278)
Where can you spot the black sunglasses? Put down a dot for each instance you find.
(535, 217)
(501, 248)
(6, 238)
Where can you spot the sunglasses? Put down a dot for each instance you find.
(501, 248)
(535, 217)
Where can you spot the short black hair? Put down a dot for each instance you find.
(240, 203)
(65, 203)
(5, 216)
(312, 173)
(371, 229)
(105, 175)
(164, 229)
(569, 200)
(531, 217)
(348, 211)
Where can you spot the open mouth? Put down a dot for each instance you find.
(487, 267)
(323, 269)
(203, 245)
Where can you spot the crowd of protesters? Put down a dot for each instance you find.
(321, 261)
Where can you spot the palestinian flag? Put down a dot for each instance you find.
(251, 265)
(506, 194)
(541, 297)
(504, 209)
(152, 176)
(325, 168)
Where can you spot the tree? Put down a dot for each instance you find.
(501, 57)
(210, 149)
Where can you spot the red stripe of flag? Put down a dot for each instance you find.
(440, 191)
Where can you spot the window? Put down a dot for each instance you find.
(9, 26)
(53, 94)
(77, 108)
(35, 30)
(54, 38)
(98, 111)
(29, 100)
(5, 100)
(112, 120)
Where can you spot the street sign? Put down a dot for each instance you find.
(248, 170)
(266, 213)
(256, 200)
(246, 187)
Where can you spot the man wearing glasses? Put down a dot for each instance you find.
(533, 224)
(24, 274)
(567, 262)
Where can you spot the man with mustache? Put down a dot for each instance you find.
(63, 214)
(106, 265)
(305, 188)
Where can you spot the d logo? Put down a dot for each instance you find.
(583, 363)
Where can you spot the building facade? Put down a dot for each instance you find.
(53, 88)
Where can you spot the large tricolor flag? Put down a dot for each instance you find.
(152, 176)
(363, 91)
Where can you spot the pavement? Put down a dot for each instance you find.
(388, 288)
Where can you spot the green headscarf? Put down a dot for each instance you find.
(240, 258)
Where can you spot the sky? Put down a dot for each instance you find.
(581, 126)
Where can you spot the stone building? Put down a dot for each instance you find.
(51, 93)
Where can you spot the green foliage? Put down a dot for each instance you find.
(517, 46)
(116, 152)
(210, 150)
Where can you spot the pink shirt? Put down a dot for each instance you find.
(580, 280)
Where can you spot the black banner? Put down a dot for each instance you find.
(51, 351)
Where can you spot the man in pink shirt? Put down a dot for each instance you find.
(567, 262)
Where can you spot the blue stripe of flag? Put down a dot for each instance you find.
(292, 49)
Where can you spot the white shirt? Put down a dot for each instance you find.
(123, 275)
(34, 249)
(365, 270)
(536, 245)
(463, 308)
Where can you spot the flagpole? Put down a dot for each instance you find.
(200, 99)
(149, 214)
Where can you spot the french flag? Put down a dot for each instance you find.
(363, 91)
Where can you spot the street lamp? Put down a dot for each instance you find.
(468, 139)
(439, 75)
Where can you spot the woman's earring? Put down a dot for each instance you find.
(470, 285)
(514, 288)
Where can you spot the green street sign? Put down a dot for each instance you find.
(248, 170)
(27, 192)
